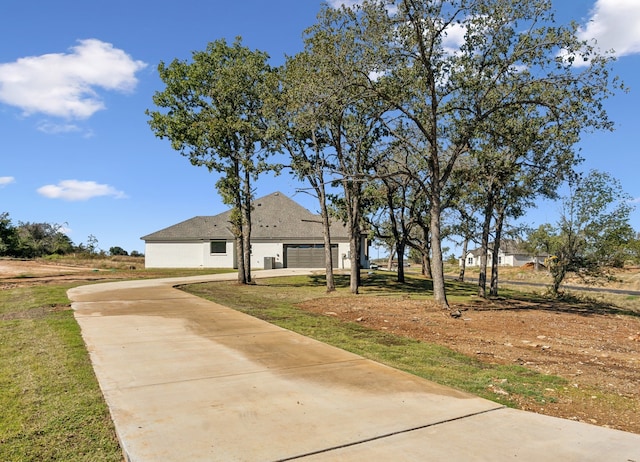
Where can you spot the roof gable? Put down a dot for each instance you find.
(273, 217)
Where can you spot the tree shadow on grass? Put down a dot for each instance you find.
(376, 283)
(372, 283)
(386, 284)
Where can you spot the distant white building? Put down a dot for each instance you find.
(283, 235)
(510, 253)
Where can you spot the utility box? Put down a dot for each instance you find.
(269, 263)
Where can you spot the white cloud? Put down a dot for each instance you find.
(454, 38)
(339, 3)
(65, 85)
(55, 129)
(615, 25)
(5, 180)
(75, 190)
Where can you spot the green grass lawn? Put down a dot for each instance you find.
(52, 407)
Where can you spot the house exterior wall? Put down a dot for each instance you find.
(186, 255)
(262, 250)
(505, 260)
(198, 255)
(520, 260)
(344, 252)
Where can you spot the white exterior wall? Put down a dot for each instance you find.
(217, 260)
(198, 255)
(186, 255)
(262, 250)
(506, 260)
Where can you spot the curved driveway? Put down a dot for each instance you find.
(186, 379)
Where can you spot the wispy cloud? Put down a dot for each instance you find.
(75, 190)
(5, 180)
(55, 129)
(67, 84)
(340, 3)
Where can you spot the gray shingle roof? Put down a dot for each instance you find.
(274, 217)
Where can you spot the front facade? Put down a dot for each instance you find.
(509, 254)
(284, 235)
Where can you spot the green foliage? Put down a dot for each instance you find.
(8, 236)
(113, 251)
(593, 233)
(508, 97)
(35, 240)
(214, 109)
(212, 112)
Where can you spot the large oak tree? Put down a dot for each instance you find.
(212, 112)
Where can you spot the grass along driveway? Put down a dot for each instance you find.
(51, 407)
(576, 359)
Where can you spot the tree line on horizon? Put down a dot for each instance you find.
(400, 131)
(36, 240)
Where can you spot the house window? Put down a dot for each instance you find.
(499, 260)
(470, 261)
(218, 247)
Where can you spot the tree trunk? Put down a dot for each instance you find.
(352, 202)
(237, 231)
(354, 249)
(426, 254)
(246, 227)
(463, 266)
(400, 251)
(242, 277)
(427, 259)
(558, 274)
(493, 289)
(484, 248)
(392, 252)
(437, 267)
(398, 237)
(326, 234)
(425, 265)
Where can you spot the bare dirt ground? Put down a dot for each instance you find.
(594, 350)
(20, 273)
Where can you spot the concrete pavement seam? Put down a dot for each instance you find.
(387, 435)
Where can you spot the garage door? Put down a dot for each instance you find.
(308, 255)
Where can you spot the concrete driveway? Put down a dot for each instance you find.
(186, 379)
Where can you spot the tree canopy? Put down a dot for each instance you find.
(211, 111)
(593, 233)
(399, 104)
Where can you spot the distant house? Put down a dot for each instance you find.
(510, 253)
(283, 235)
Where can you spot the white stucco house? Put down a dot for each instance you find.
(509, 254)
(284, 235)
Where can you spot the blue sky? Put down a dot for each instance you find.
(76, 77)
